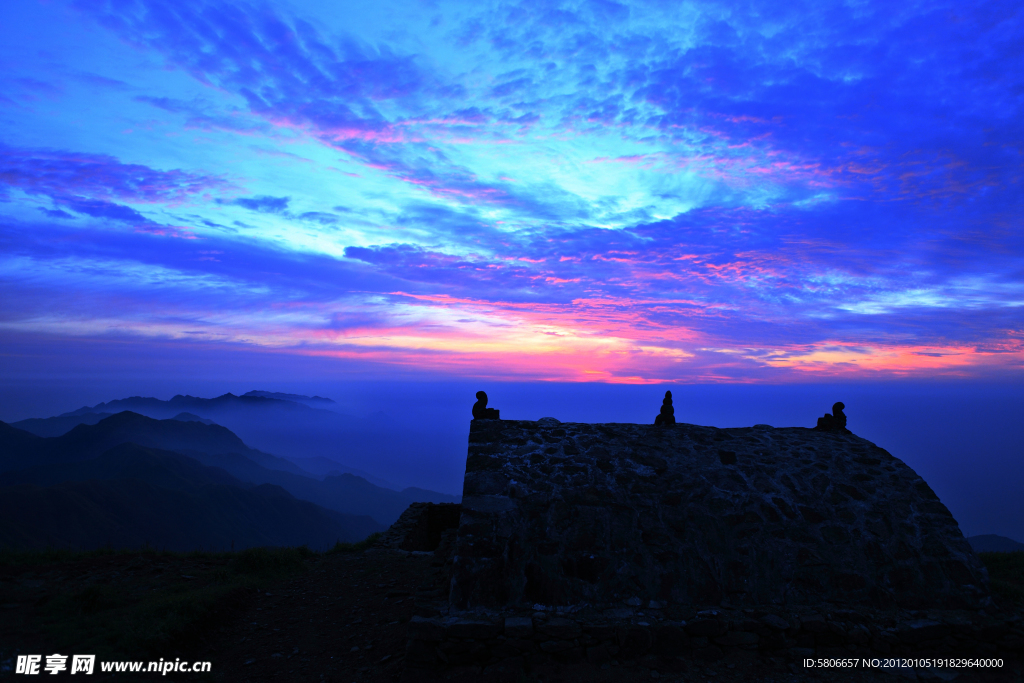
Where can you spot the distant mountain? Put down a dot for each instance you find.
(311, 401)
(55, 426)
(212, 408)
(131, 495)
(189, 417)
(87, 441)
(16, 443)
(345, 493)
(164, 469)
(212, 445)
(323, 467)
(991, 543)
(380, 446)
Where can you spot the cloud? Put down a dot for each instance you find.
(97, 208)
(283, 69)
(262, 204)
(624, 192)
(60, 173)
(203, 115)
(56, 213)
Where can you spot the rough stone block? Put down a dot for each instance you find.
(561, 629)
(425, 629)
(473, 629)
(737, 638)
(923, 629)
(598, 654)
(634, 640)
(805, 640)
(710, 628)
(571, 656)
(774, 621)
(522, 645)
(813, 623)
(503, 650)
(1011, 643)
(518, 627)
(454, 647)
(711, 653)
(552, 646)
(509, 669)
(992, 632)
(619, 613)
(600, 631)
(670, 640)
(420, 652)
(773, 640)
(860, 635)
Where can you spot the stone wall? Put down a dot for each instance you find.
(607, 542)
(595, 514)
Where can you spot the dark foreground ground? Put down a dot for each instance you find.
(291, 616)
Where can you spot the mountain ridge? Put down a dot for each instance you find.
(212, 445)
(130, 495)
(377, 447)
(993, 543)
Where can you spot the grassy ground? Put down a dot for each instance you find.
(1006, 571)
(138, 603)
(146, 604)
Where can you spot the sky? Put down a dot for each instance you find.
(638, 193)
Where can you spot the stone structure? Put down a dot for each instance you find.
(421, 527)
(612, 541)
(563, 514)
(834, 422)
(481, 411)
(667, 416)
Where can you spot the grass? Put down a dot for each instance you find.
(359, 546)
(146, 603)
(1006, 573)
(149, 603)
(15, 558)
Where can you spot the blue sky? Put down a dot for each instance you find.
(588, 191)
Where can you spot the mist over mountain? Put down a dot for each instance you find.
(189, 417)
(56, 426)
(132, 495)
(299, 428)
(294, 426)
(325, 467)
(311, 401)
(210, 444)
(88, 440)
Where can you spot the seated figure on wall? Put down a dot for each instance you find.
(480, 409)
(836, 422)
(667, 416)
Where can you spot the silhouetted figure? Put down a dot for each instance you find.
(480, 409)
(836, 422)
(667, 416)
